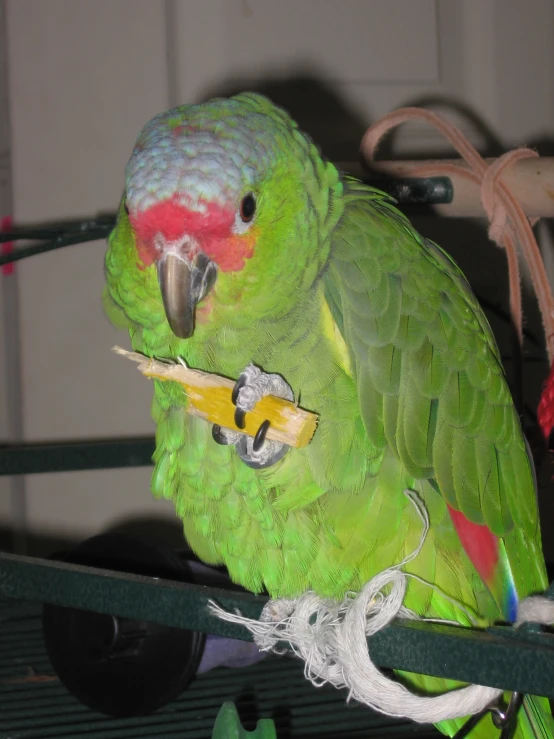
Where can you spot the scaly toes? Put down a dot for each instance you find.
(251, 386)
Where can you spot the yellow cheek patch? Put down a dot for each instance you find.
(249, 240)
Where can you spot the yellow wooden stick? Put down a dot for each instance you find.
(210, 398)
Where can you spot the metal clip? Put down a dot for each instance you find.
(503, 719)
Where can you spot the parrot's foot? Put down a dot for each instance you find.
(251, 387)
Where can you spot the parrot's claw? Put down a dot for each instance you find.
(260, 435)
(239, 418)
(251, 386)
(217, 436)
(236, 389)
(225, 436)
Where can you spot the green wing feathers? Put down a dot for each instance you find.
(428, 372)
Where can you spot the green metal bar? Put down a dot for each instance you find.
(166, 602)
(510, 659)
(26, 459)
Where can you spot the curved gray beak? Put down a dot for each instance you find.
(184, 282)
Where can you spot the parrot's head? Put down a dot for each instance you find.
(230, 204)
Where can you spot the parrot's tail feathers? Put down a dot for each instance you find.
(535, 719)
(489, 557)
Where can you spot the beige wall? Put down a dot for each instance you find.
(6, 290)
(85, 75)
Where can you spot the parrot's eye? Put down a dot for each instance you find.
(247, 207)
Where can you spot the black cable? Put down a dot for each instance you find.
(55, 237)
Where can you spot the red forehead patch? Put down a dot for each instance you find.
(171, 219)
(211, 228)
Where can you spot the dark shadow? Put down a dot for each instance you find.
(544, 145)
(491, 145)
(317, 105)
(153, 528)
(163, 530)
(38, 544)
(282, 719)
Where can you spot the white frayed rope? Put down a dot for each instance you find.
(331, 638)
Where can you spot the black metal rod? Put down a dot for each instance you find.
(405, 190)
(41, 248)
(59, 231)
(415, 190)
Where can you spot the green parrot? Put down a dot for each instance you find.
(240, 249)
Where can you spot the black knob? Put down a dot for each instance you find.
(120, 666)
